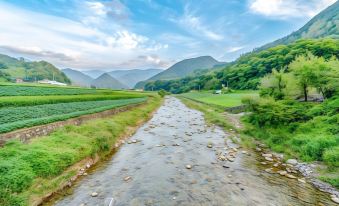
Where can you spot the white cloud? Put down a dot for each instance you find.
(68, 43)
(235, 49)
(285, 9)
(195, 26)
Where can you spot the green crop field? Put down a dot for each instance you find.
(225, 100)
(18, 117)
(28, 90)
(23, 106)
(37, 100)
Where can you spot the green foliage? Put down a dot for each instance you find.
(331, 156)
(9, 199)
(248, 69)
(330, 180)
(18, 117)
(274, 113)
(162, 93)
(273, 84)
(305, 130)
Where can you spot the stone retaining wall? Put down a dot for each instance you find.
(28, 133)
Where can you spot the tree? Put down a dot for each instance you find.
(327, 81)
(273, 84)
(303, 68)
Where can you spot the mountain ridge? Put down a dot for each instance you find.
(324, 24)
(182, 69)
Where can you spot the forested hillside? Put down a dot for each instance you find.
(246, 71)
(12, 68)
(325, 24)
(183, 68)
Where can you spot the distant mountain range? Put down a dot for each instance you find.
(93, 73)
(107, 81)
(133, 76)
(183, 68)
(120, 78)
(78, 78)
(325, 24)
(12, 68)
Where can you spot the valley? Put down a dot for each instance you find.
(147, 103)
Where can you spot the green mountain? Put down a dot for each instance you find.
(182, 69)
(12, 68)
(78, 78)
(247, 70)
(107, 81)
(133, 76)
(325, 24)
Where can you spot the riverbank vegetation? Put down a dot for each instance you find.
(30, 171)
(298, 112)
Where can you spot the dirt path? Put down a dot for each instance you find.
(153, 171)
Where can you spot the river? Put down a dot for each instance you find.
(170, 164)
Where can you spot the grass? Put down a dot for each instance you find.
(13, 118)
(224, 100)
(30, 171)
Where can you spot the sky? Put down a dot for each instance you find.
(140, 34)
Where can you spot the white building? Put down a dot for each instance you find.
(47, 81)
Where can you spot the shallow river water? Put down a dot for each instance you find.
(153, 170)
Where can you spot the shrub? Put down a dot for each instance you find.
(162, 93)
(331, 156)
(8, 199)
(274, 113)
(15, 175)
(312, 148)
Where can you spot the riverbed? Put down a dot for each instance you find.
(171, 160)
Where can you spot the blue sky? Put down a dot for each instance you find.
(127, 34)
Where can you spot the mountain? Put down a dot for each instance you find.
(325, 24)
(78, 78)
(12, 68)
(182, 69)
(93, 73)
(107, 81)
(133, 76)
(186, 67)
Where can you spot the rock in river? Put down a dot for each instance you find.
(292, 161)
(188, 166)
(94, 194)
(269, 159)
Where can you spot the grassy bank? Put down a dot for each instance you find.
(30, 171)
(223, 100)
(309, 141)
(305, 131)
